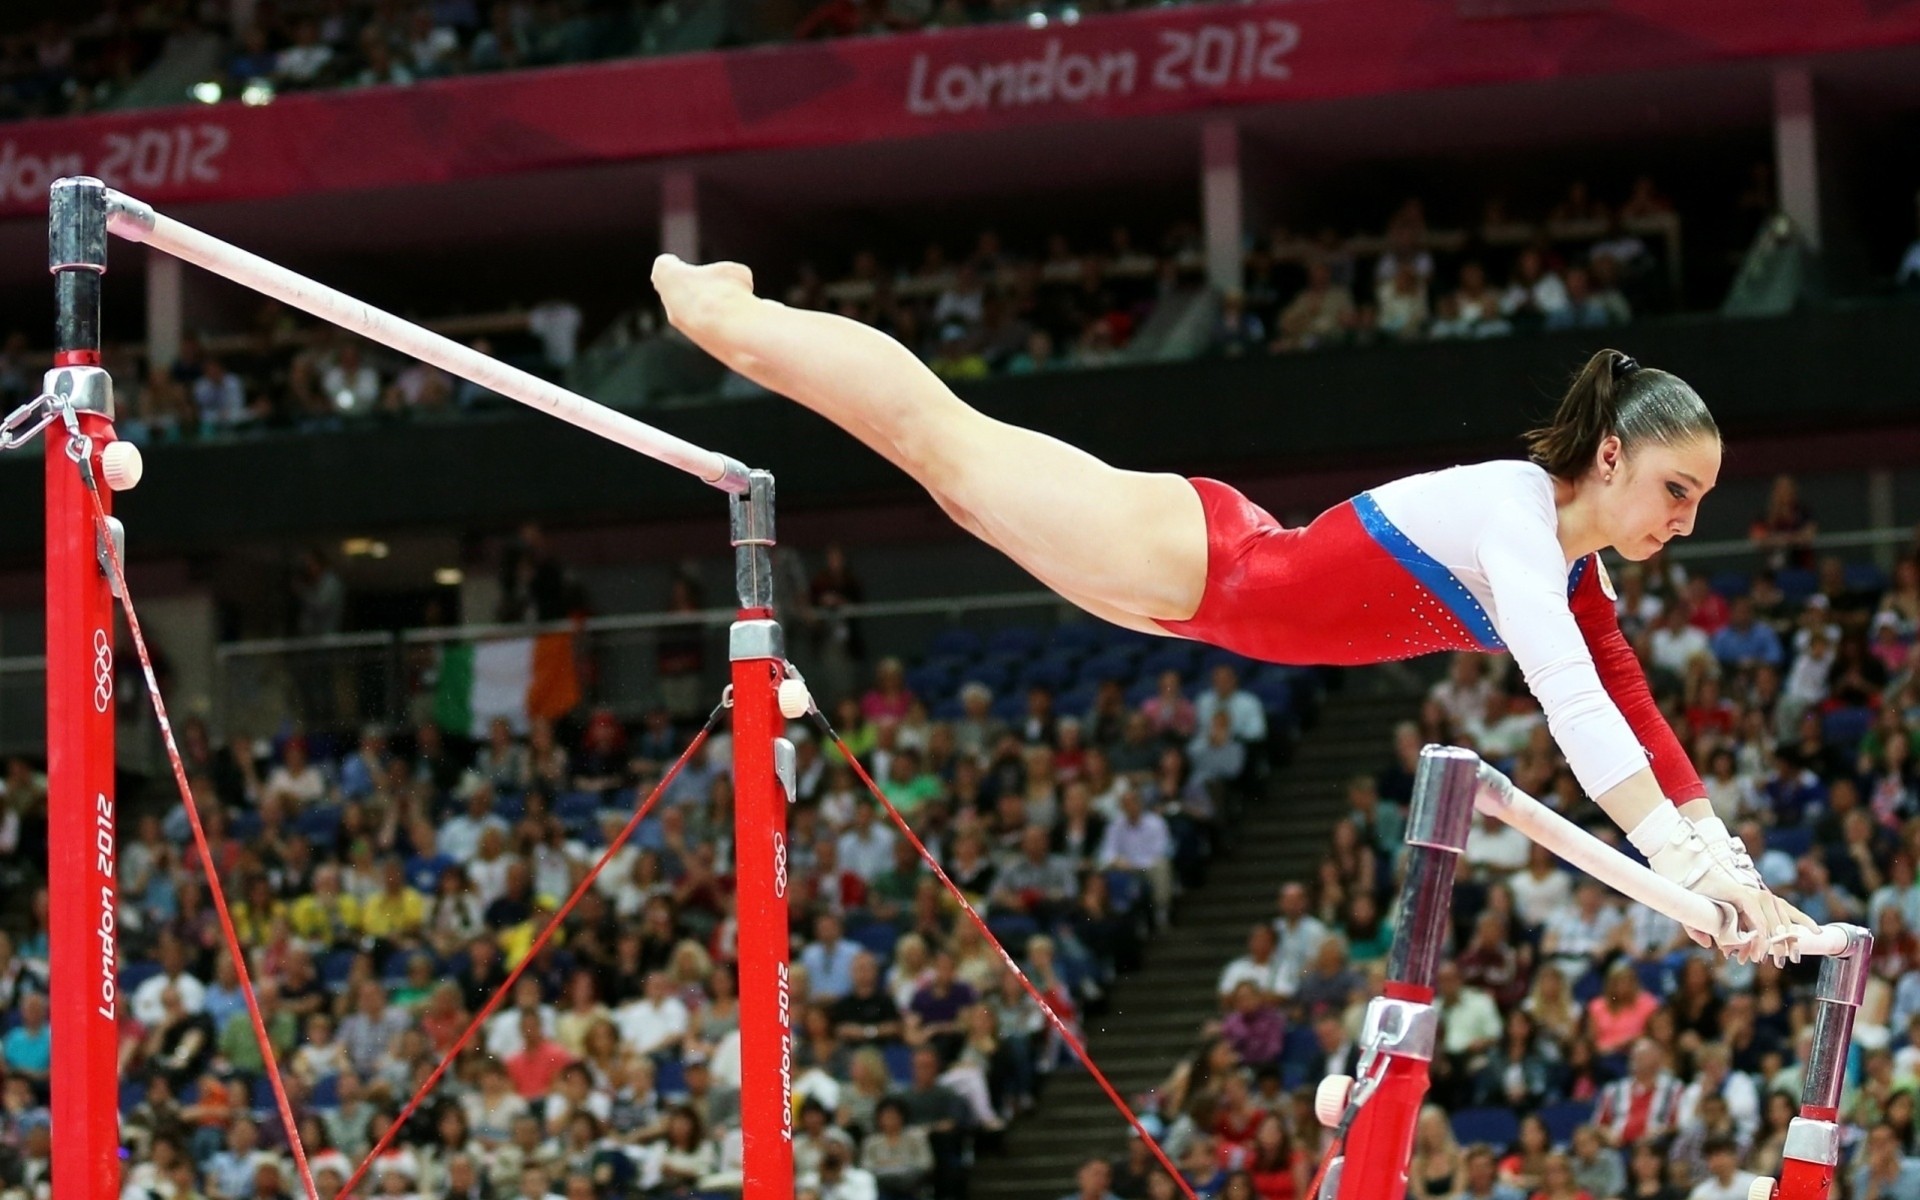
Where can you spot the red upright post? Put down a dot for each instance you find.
(80, 800)
(761, 767)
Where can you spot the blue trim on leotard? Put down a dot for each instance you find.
(1428, 571)
(1578, 573)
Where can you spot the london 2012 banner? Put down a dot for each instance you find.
(905, 86)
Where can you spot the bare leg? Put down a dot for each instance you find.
(1127, 546)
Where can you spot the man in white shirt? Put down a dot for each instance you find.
(654, 1021)
(1463, 693)
(503, 1028)
(866, 848)
(1674, 643)
(1259, 966)
(147, 1006)
(1246, 716)
(1496, 849)
(1138, 842)
(1300, 936)
(1578, 939)
(460, 837)
(1725, 1180)
(1469, 1020)
(1543, 890)
(1717, 1077)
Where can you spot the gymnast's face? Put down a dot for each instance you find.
(1650, 496)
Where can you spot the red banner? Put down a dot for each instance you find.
(866, 89)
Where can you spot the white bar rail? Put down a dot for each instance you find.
(1498, 797)
(138, 222)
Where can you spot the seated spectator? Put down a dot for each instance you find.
(1401, 301)
(1744, 642)
(1644, 1104)
(305, 62)
(1617, 1017)
(897, 1156)
(1535, 294)
(1584, 309)
(1482, 1180)
(1726, 1181)
(1321, 314)
(1253, 1025)
(866, 1014)
(1598, 1169)
(1259, 966)
(1236, 331)
(1138, 842)
(1036, 882)
(1579, 938)
(1329, 983)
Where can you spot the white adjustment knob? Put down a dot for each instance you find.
(795, 700)
(1330, 1099)
(120, 462)
(1760, 1189)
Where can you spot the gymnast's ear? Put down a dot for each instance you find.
(1569, 445)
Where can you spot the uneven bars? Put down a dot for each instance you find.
(1498, 797)
(137, 221)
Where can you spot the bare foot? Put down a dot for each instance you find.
(690, 292)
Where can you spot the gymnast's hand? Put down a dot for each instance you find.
(1756, 921)
(696, 296)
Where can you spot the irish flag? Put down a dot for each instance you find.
(515, 678)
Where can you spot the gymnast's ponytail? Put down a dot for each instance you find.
(1613, 394)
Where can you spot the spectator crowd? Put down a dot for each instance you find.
(384, 884)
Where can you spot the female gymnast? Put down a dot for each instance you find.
(1490, 556)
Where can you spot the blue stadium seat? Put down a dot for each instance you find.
(1796, 583)
(335, 966)
(1048, 673)
(1298, 1046)
(1103, 667)
(1653, 978)
(1497, 1127)
(1276, 695)
(1213, 657)
(929, 681)
(1563, 1118)
(319, 824)
(1125, 890)
(326, 1092)
(994, 674)
(1011, 707)
(132, 1092)
(949, 709)
(1074, 702)
(261, 1097)
(899, 1058)
(133, 974)
(1142, 691)
(578, 811)
(1177, 657)
(1844, 727)
(1587, 987)
(669, 1076)
(1082, 636)
(876, 936)
(245, 825)
(1865, 577)
(954, 641)
(1016, 639)
(1790, 840)
(1731, 583)
(509, 806)
(1012, 932)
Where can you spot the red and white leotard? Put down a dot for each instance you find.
(1467, 558)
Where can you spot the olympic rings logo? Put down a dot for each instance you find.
(779, 866)
(102, 671)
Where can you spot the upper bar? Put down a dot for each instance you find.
(138, 222)
(1499, 797)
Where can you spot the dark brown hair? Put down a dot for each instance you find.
(1612, 394)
